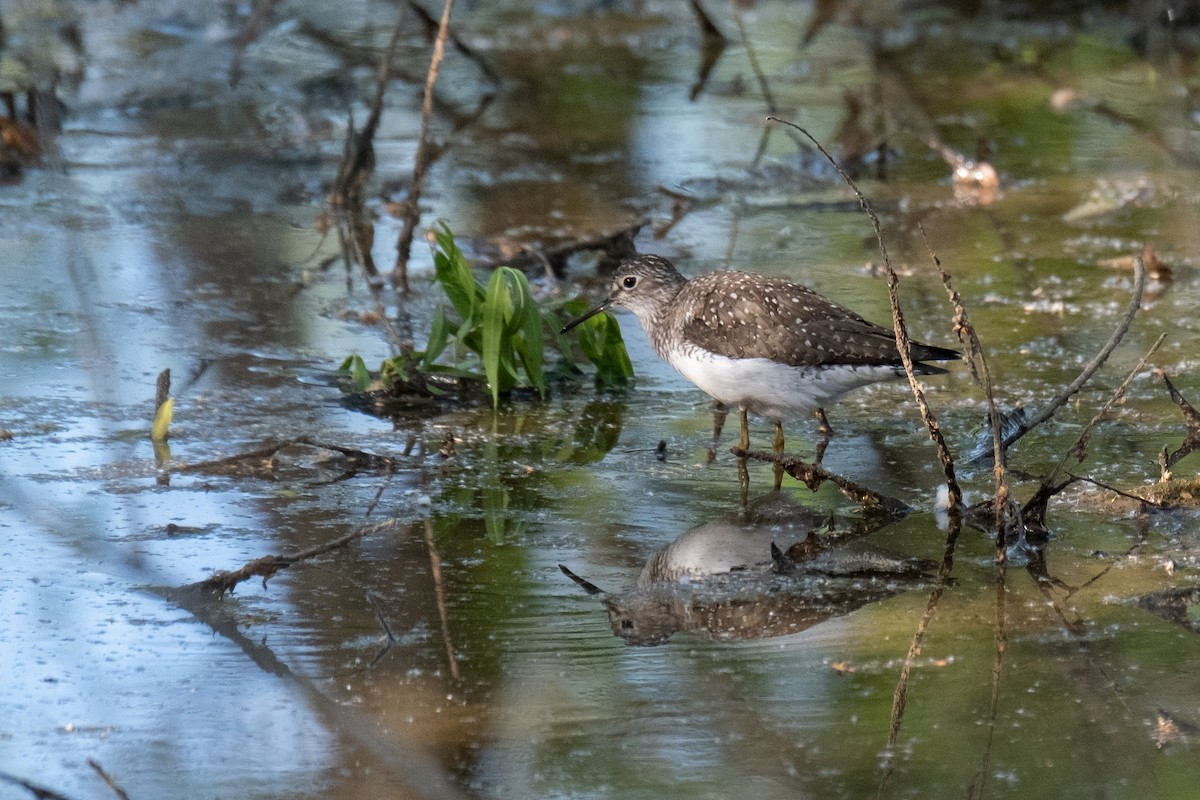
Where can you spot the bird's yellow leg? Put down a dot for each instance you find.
(744, 438)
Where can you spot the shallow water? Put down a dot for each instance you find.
(445, 652)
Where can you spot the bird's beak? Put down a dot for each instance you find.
(602, 307)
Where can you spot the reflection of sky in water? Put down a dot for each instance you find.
(152, 696)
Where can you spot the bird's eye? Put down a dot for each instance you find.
(629, 282)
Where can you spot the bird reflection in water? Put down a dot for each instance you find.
(774, 569)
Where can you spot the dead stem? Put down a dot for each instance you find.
(1078, 450)
(363, 459)
(425, 155)
(903, 343)
(1191, 442)
(267, 566)
(977, 364)
(108, 779)
(813, 475)
(754, 65)
(439, 590)
(250, 31)
(431, 32)
(1135, 303)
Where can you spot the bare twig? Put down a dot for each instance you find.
(426, 153)
(813, 475)
(108, 779)
(439, 589)
(708, 29)
(1078, 450)
(754, 65)
(903, 343)
(1191, 442)
(431, 31)
(267, 566)
(977, 364)
(1135, 302)
(358, 155)
(362, 458)
(250, 31)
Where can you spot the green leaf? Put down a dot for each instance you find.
(356, 370)
(438, 336)
(497, 309)
(601, 342)
(394, 371)
(455, 276)
(530, 345)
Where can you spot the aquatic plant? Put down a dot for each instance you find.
(494, 332)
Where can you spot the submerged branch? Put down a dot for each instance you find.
(439, 590)
(813, 475)
(267, 566)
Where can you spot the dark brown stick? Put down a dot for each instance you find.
(267, 566)
(1167, 460)
(903, 343)
(977, 364)
(108, 779)
(250, 31)
(40, 792)
(439, 590)
(754, 65)
(813, 475)
(411, 213)
(431, 30)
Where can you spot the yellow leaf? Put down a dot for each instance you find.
(162, 420)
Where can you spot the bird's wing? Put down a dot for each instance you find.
(781, 321)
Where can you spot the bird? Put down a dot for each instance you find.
(760, 343)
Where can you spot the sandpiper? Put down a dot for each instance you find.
(759, 343)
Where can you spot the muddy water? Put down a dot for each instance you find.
(445, 652)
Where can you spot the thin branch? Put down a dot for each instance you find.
(754, 65)
(250, 32)
(108, 779)
(431, 30)
(267, 566)
(1078, 450)
(439, 589)
(903, 343)
(425, 155)
(813, 475)
(977, 364)
(1135, 303)
(1000, 642)
(1167, 460)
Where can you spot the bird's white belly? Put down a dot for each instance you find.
(774, 390)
